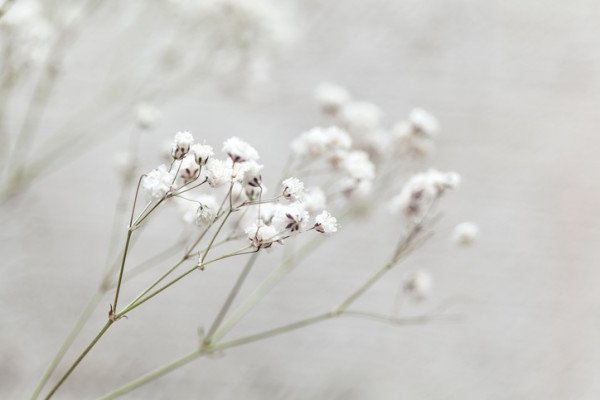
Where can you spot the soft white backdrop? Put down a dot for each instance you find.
(516, 87)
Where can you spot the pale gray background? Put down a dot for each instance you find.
(517, 89)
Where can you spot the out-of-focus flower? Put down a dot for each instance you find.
(317, 141)
(421, 191)
(418, 285)
(207, 209)
(423, 122)
(314, 200)
(361, 117)
(217, 172)
(147, 116)
(331, 98)
(189, 169)
(465, 233)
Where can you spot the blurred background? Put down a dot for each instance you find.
(516, 88)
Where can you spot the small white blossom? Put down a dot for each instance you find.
(358, 165)
(408, 141)
(317, 141)
(218, 172)
(201, 152)
(331, 98)
(361, 117)
(189, 170)
(147, 116)
(292, 218)
(252, 174)
(465, 233)
(262, 236)
(419, 285)
(355, 189)
(423, 122)
(314, 200)
(418, 195)
(207, 209)
(293, 189)
(181, 144)
(326, 223)
(158, 182)
(239, 151)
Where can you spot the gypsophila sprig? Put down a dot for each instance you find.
(181, 144)
(326, 223)
(293, 189)
(239, 151)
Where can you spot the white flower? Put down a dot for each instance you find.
(357, 165)
(189, 170)
(207, 209)
(326, 223)
(355, 189)
(418, 285)
(292, 218)
(408, 141)
(202, 153)
(361, 117)
(465, 233)
(147, 116)
(239, 151)
(317, 141)
(124, 163)
(331, 97)
(314, 200)
(293, 189)
(419, 194)
(423, 122)
(218, 172)
(158, 182)
(262, 236)
(252, 173)
(181, 144)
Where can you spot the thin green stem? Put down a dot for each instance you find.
(79, 359)
(118, 290)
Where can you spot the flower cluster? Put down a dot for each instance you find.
(263, 221)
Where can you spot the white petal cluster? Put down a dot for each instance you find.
(207, 209)
(218, 172)
(202, 153)
(181, 144)
(189, 169)
(358, 165)
(415, 136)
(361, 117)
(252, 174)
(147, 116)
(239, 151)
(319, 141)
(465, 233)
(423, 122)
(331, 98)
(293, 189)
(262, 236)
(419, 194)
(326, 223)
(418, 285)
(157, 183)
(314, 200)
(291, 219)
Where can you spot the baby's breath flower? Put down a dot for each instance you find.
(189, 170)
(293, 189)
(291, 218)
(239, 151)
(421, 191)
(317, 141)
(408, 141)
(361, 117)
(418, 285)
(355, 189)
(157, 182)
(331, 98)
(207, 209)
(262, 236)
(181, 144)
(147, 116)
(357, 165)
(218, 172)
(326, 223)
(423, 122)
(252, 174)
(465, 233)
(201, 152)
(314, 200)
